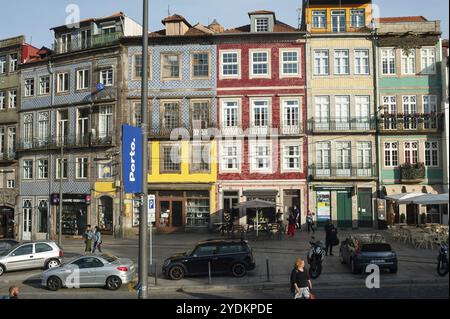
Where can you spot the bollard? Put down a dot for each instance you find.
(156, 275)
(268, 270)
(209, 273)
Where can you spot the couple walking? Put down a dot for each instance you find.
(293, 222)
(90, 236)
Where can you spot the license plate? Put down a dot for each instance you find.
(377, 261)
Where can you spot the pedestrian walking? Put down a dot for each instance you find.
(97, 240)
(291, 225)
(296, 212)
(13, 293)
(88, 236)
(280, 220)
(310, 222)
(331, 238)
(301, 285)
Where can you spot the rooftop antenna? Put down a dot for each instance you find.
(299, 11)
(168, 10)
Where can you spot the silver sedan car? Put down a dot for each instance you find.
(90, 271)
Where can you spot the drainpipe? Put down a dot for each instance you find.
(376, 99)
(52, 97)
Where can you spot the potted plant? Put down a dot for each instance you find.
(402, 218)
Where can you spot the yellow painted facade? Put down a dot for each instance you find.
(104, 188)
(328, 8)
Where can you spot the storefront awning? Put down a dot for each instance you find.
(431, 199)
(260, 193)
(333, 188)
(404, 198)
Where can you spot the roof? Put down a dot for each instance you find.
(175, 18)
(261, 12)
(278, 27)
(402, 19)
(84, 21)
(342, 2)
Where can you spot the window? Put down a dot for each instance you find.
(197, 211)
(358, 19)
(85, 39)
(260, 156)
(431, 154)
(63, 82)
(2, 140)
(106, 121)
(82, 79)
(205, 251)
(260, 111)
(171, 119)
(341, 62)
(321, 62)
(319, 19)
(43, 168)
(343, 158)
(230, 157)
(11, 139)
(42, 248)
(322, 112)
(230, 114)
(44, 85)
(171, 158)
(63, 125)
(137, 69)
(81, 164)
(64, 163)
(411, 152)
(391, 154)
(200, 157)
(390, 107)
(65, 43)
(13, 62)
(137, 114)
(362, 110)
(106, 77)
(200, 114)
(291, 113)
(171, 66)
(2, 100)
(364, 159)
(262, 25)
(28, 169)
(338, 22)
(105, 170)
(260, 63)
(28, 129)
(342, 106)
(42, 224)
(200, 65)
(29, 87)
(388, 61)
(109, 29)
(290, 63)
(12, 99)
(409, 109)
(2, 64)
(430, 108)
(10, 183)
(408, 62)
(291, 157)
(323, 158)
(83, 126)
(24, 250)
(230, 64)
(428, 61)
(362, 62)
(43, 131)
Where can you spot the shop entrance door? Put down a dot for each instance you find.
(6, 222)
(105, 214)
(171, 214)
(344, 209)
(26, 221)
(411, 214)
(177, 214)
(365, 219)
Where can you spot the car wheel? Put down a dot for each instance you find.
(176, 273)
(2, 270)
(355, 269)
(52, 263)
(113, 283)
(238, 270)
(54, 283)
(393, 270)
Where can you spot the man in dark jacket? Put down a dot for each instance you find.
(330, 237)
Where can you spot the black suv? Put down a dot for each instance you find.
(224, 256)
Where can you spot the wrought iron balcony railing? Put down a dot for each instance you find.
(342, 171)
(78, 42)
(412, 172)
(67, 141)
(8, 156)
(411, 122)
(342, 124)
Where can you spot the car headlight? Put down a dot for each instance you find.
(166, 263)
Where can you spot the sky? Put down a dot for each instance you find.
(34, 21)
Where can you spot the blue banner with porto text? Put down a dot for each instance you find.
(132, 159)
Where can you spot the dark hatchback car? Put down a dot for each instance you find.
(224, 256)
(358, 251)
(6, 244)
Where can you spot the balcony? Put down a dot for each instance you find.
(412, 173)
(8, 156)
(327, 125)
(103, 139)
(342, 171)
(408, 123)
(77, 43)
(55, 142)
(286, 128)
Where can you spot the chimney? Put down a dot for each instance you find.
(216, 27)
(176, 25)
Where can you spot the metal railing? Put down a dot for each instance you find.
(8, 156)
(416, 122)
(342, 124)
(319, 171)
(67, 141)
(77, 42)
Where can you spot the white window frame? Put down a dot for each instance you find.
(319, 16)
(362, 61)
(11, 183)
(408, 62)
(408, 147)
(2, 100)
(58, 168)
(13, 62)
(391, 148)
(106, 112)
(321, 65)
(230, 104)
(42, 172)
(268, 63)
(237, 64)
(343, 158)
(80, 163)
(364, 160)
(428, 60)
(83, 75)
(180, 66)
(29, 87)
(289, 123)
(323, 152)
(253, 106)
(3, 63)
(341, 62)
(224, 156)
(296, 62)
(262, 27)
(254, 156)
(28, 170)
(429, 103)
(338, 14)
(107, 76)
(61, 80)
(359, 23)
(12, 104)
(388, 56)
(44, 86)
(286, 156)
(431, 147)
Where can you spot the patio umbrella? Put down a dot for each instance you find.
(431, 199)
(405, 198)
(256, 204)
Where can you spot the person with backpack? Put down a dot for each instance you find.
(97, 240)
(88, 236)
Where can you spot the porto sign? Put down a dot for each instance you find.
(132, 159)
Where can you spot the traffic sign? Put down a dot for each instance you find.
(151, 209)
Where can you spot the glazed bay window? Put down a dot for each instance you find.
(200, 114)
(262, 25)
(364, 158)
(428, 61)
(391, 154)
(200, 65)
(29, 87)
(105, 170)
(322, 113)
(43, 168)
(13, 62)
(321, 62)
(319, 19)
(2, 100)
(323, 159)
(342, 106)
(429, 103)
(28, 130)
(28, 169)
(432, 154)
(410, 110)
(81, 167)
(230, 156)
(338, 21)
(171, 118)
(64, 168)
(408, 62)
(107, 77)
(390, 109)
(62, 82)
(358, 18)
(170, 158)
(290, 63)
(362, 62)
(260, 64)
(2, 64)
(83, 79)
(200, 158)
(411, 152)
(260, 156)
(12, 99)
(230, 64)
(44, 85)
(343, 158)
(171, 66)
(106, 121)
(291, 157)
(341, 62)
(388, 66)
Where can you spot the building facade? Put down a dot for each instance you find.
(341, 112)
(411, 120)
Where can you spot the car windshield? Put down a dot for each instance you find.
(109, 258)
(376, 247)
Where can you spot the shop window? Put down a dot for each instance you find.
(197, 212)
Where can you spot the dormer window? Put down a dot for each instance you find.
(338, 20)
(262, 25)
(66, 41)
(109, 29)
(319, 19)
(358, 18)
